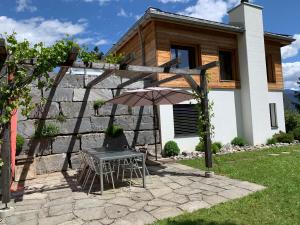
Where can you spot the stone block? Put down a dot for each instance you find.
(119, 142)
(51, 163)
(72, 81)
(136, 85)
(20, 116)
(143, 123)
(26, 128)
(126, 122)
(36, 95)
(37, 147)
(73, 126)
(64, 144)
(113, 110)
(146, 137)
(142, 110)
(110, 82)
(59, 94)
(81, 94)
(99, 123)
(25, 171)
(92, 140)
(77, 109)
(40, 111)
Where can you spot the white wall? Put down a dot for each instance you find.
(277, 98)
(227, 120)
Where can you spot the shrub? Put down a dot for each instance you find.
(219, 144)
(98, 104)
(171, 148)
(284, 137)
(215, 147)
(271, 141)
(114, 131)
(238, 141)
(19, 143)
(296, 133)
(292, 121)
(48, 130)
(200, 147)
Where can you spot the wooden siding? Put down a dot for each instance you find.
(159, 36)
(207, 45)
(273, 49)
(134, 46)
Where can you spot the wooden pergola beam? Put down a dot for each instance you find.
(166, 65)
(65, 67)
(143, 69)
(166, 80)
(135, 68)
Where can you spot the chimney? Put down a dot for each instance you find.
(253, 73)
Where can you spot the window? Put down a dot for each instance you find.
(273, 115)
(226, 65)
(186, 56)
(270, 69)
(185, 119)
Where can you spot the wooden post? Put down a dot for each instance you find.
(205, 113)
(6, 169)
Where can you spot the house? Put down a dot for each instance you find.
(247, 88)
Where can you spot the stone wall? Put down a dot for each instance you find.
(82, 127)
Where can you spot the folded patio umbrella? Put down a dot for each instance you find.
(152, 96)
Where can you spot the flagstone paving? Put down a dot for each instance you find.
(172, 190)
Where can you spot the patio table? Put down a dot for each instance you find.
(103, 154)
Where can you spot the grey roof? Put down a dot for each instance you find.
(154, 13)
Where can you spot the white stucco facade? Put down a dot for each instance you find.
(227, 120)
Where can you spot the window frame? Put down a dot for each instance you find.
(233, 64)
(184, 46)
(273, 110)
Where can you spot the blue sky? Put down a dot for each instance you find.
(102, 22)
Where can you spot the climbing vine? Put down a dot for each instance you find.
(203, 121)
(19, 65)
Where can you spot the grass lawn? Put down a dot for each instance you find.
(278, 204)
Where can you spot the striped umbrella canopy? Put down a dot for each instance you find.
(152, 96)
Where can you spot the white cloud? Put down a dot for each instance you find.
(122, 13)
(293, 49)
(173, 1)
(101, 42)
(101, 2)
(291, 73)
(214, 10)
(25, 5)
(39, 29)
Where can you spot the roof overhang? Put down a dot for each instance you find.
(159, 15)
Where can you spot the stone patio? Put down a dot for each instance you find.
(172, 190)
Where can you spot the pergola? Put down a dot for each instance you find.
(135, 73)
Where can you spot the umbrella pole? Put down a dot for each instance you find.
(154, 126)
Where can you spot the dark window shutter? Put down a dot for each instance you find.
(185, 119)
